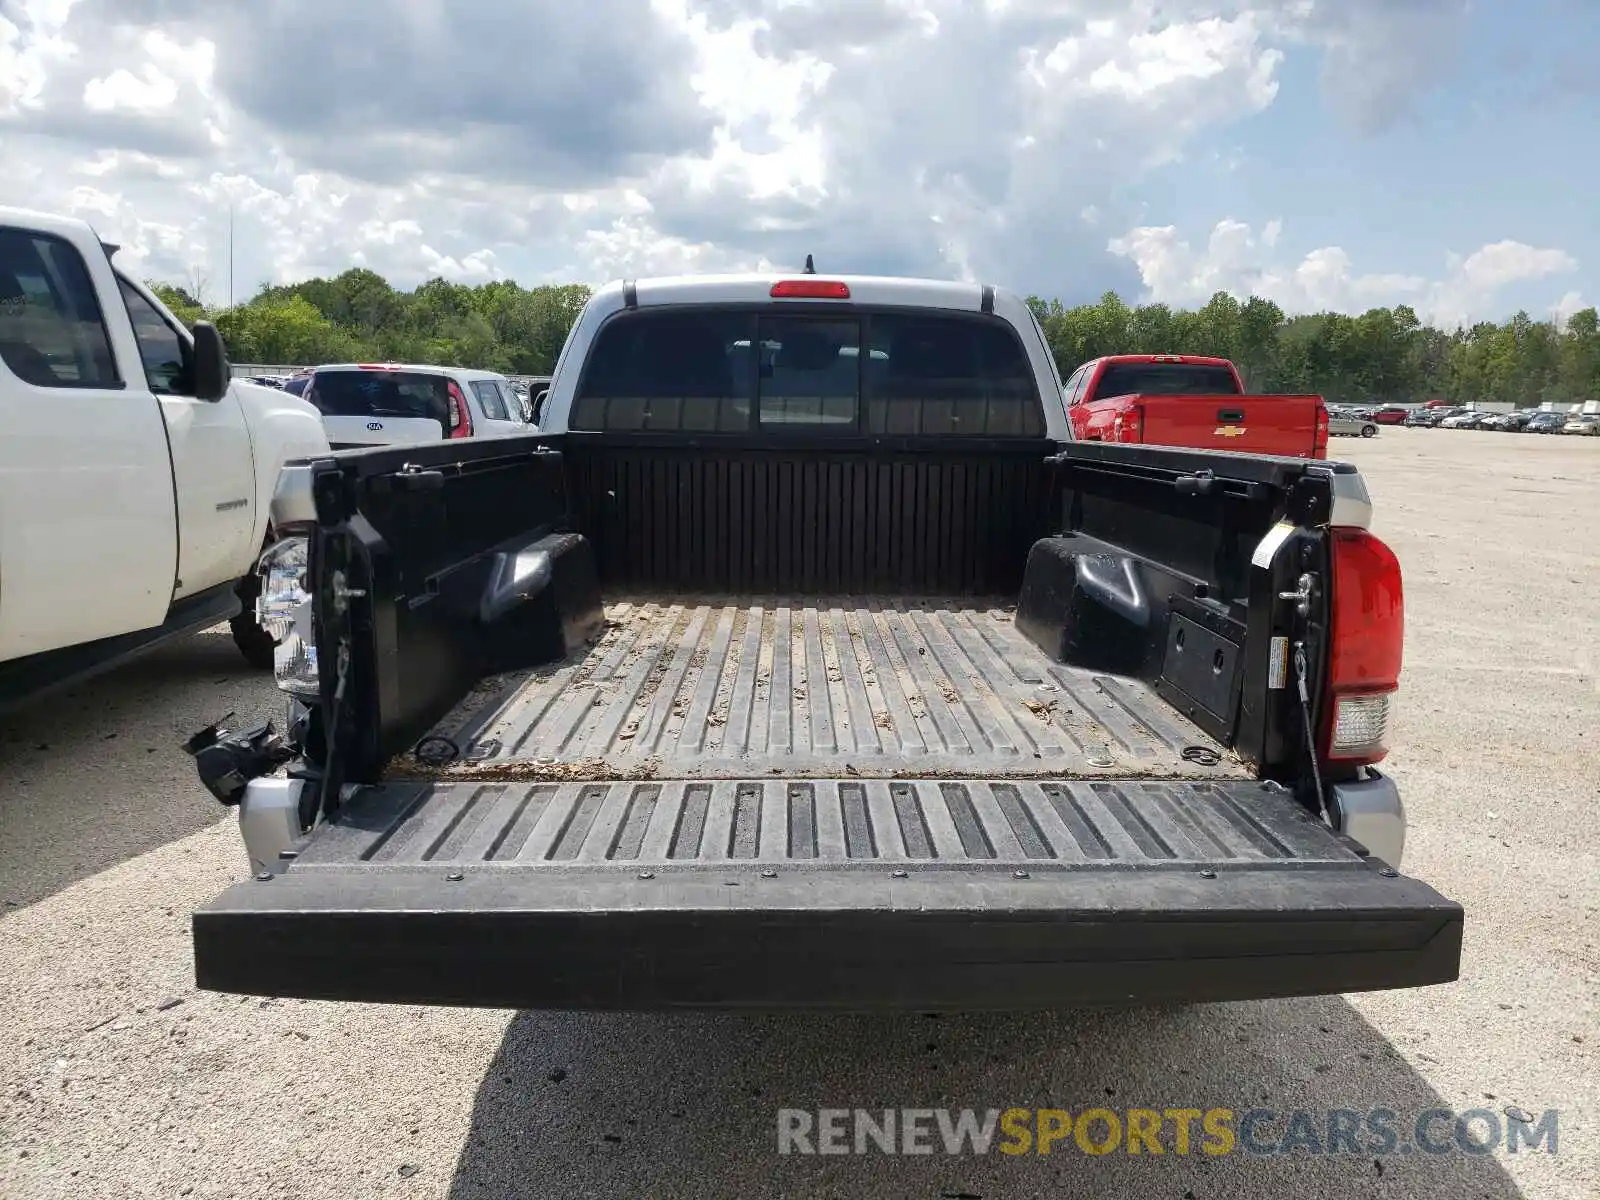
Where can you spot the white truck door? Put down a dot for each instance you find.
(88, 547)
(212, 465)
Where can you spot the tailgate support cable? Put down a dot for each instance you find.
(1305, 716)
(336, 712)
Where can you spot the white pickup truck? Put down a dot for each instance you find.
(135, 477)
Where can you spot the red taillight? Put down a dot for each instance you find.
(376, 366)
(1367, 635)
(810, 289)
(460, 414)
(1319, 437)
(1128, 426)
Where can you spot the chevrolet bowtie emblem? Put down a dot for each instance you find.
(1230, 431)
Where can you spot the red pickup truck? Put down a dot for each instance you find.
(1184, 400)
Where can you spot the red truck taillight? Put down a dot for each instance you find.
(1367, 636)
(1319, 436)
(1128, 426)
(460, 414)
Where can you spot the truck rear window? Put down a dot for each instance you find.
(1166, 379)
(721, 371)
(380, 394)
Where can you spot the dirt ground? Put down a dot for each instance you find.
(118, 1079)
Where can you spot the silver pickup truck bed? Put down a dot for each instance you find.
(692, 688)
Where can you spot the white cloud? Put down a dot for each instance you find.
(1379, 59)
(477, 267)
(1561, 311)
(1237, 260)
(152, 90)
(156, 84)
(1510, 262)
(29, 48)
(1158, 62)
(92, 200)
(612, 137)
(633, 246)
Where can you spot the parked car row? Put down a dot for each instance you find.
(1524, 420)
(1388, 414)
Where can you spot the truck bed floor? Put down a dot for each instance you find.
(689, 688)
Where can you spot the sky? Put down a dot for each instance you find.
(1326, 154)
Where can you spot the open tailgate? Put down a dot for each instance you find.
(849, 894)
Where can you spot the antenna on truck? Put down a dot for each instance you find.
(811, 267)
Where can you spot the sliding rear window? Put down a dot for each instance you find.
(731, 371)
(670, 371)
(949, 376)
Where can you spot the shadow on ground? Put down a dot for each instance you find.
(609, 1105)
(94, 775)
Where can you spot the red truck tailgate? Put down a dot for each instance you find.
(1285, 425)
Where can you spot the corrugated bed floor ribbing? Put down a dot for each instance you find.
(705, 688)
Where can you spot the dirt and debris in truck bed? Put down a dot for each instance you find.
(714, 687)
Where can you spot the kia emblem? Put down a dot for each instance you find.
(374, 425)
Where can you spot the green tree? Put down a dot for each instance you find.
(1578, 370)
(182, 305)
(1259, 322)
(285, 330)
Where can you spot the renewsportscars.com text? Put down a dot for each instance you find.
(1180, 1131)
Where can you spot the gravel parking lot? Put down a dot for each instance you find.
(118, 1079)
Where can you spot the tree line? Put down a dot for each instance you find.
(1384, 355)
(358, 317)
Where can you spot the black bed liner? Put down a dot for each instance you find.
(707, 687)
(838, 893)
